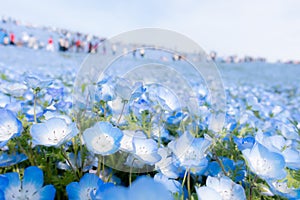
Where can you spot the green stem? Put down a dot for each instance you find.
(99, 166)
(252, 186)
(75, 152)
(81, 154)
(68, 161)
(184, 178)
(220, 163)
(103, 169)
(79, 166)
(189, 184)
(110, 176)
(159, 133)
(130, 172)
(29, 156)
(34, 108)
(123, 107)
(130, 176)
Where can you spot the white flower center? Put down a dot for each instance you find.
(57, 135)
(192, 155)
(103, 143)
(262, 166)
(142, 150)
(226, 194)
(90, 191)
(21, 194)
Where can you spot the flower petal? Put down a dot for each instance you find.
(33, 179)
(204, 193)
(73, 191)
(46, 193)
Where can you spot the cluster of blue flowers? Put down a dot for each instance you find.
(143, 128)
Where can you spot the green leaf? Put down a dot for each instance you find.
(293, 178)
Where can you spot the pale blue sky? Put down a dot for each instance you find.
(269, 28)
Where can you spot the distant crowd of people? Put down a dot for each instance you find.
(68, 41)
(58, 39)
(235, 59)
(7, 38)
(76, 43)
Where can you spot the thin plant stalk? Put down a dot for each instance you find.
(34, 107)
(122, 111)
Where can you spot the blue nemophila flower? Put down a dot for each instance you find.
(164, 97)
(63, 105)
(176, 119)
(105, 90)
(7, 160)
(292, 158)
(53, 132)
(201, 168)
(28, 96)
(214, 169)
(276, 110)
(116, 193)
(127, 140)
(236, 169)
(139, 89)
(35, 82)
(10, 126)
(13, 89)
(279, 144)
(231, 123)
(15, 107)
(143, 188)
(48, 115)
(248, 119)
(253, 102)
(281, 188)
(103, 138)
(172, 185)
(138, 106)
(166, 165)
(264, 163)
(4, 100)
(202, 92)
(190, 151)
(289, 132)
(274, 143)
(31, 188)
(244, 143)
(220, 189)
(123, 88)
(55, 93)
(146, 150)
(87, 188)
(146, 188)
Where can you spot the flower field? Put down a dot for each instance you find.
(137, 143)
